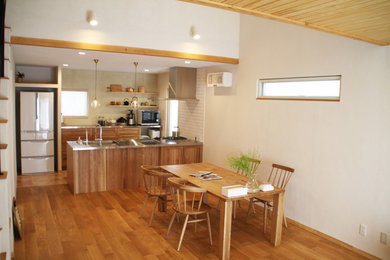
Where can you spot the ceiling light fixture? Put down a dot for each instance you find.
(134, 101)
(95, 102)
(194, 35)
(65, 65)
(146, 70)
(81, 53)
(187, 62)
(91, 18)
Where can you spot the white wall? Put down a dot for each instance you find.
(153, 24)
(340, 150)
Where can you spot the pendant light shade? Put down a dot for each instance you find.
(134, 101)
(95, 102)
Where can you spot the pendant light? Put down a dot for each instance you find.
(95, 102)
(134, 101)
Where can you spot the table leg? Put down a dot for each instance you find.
(277, 219)
(225, 228)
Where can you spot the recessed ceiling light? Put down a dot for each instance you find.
(65, 65)
(93, 22)
(146, 70)
(194, 34)
(91, 18)
(187, 62)
(81, 53)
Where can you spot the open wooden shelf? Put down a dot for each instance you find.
(4, 78)
(149, 93)
(3, 146)
(35, 84)
(3, 175)
(3, 121)
(6, 59)
(3, 98)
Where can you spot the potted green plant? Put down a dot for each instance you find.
(248, 165)
(19, 77)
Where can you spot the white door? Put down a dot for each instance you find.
(37, 165)
(37, 148)
(45, 111)
(28, 111)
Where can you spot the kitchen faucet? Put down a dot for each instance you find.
(101, 130)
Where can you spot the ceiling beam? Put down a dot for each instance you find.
(232, 7)
(119, 49)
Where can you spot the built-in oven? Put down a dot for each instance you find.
(148, 117)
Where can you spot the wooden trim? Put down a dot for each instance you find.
(298, 99)
(119, 49)
(4, 78)
(332, 239)
(7, 27)
(3, 175)
(7, 42)
(3, 121)
(7, 59)
(3, 146)
(3, 256)
(261, 14)
(3, 98)
(127, 92)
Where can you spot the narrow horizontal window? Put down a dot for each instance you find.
(324, 88)
(74, 103)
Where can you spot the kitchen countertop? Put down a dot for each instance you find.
(133, 143)
(116, 126)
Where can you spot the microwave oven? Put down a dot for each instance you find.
(148, 117)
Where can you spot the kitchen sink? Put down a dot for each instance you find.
(95, 143)
(148, 142)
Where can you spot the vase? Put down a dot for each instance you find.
(19, 80)
(252, 185)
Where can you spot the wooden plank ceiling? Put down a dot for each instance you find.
(366, 20)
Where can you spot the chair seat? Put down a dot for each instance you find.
(157, 191)
(190, 212)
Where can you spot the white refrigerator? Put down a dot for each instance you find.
(37, 132)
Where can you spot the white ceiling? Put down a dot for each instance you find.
(108, 61)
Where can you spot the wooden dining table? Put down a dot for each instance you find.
(214, 187)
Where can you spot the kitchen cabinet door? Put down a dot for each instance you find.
(192, 154)
(128, 133)
(171, 155)
(108, 134)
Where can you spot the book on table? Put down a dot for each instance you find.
(206, 175)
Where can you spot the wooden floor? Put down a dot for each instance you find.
(105, 225)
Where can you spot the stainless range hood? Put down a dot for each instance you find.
(182, 83)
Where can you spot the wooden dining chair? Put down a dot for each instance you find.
(254, 165)
(155, 182)
(279, 177)
(187, 200)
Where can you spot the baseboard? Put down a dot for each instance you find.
(332, 239)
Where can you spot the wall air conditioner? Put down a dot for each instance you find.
(219, 79)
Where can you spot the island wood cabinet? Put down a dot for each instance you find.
(180, 155)
(109, 169)
(73, 134)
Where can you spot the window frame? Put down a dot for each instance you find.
(259, 88)
(76, 90)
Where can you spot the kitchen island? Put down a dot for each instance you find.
(115, 164)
